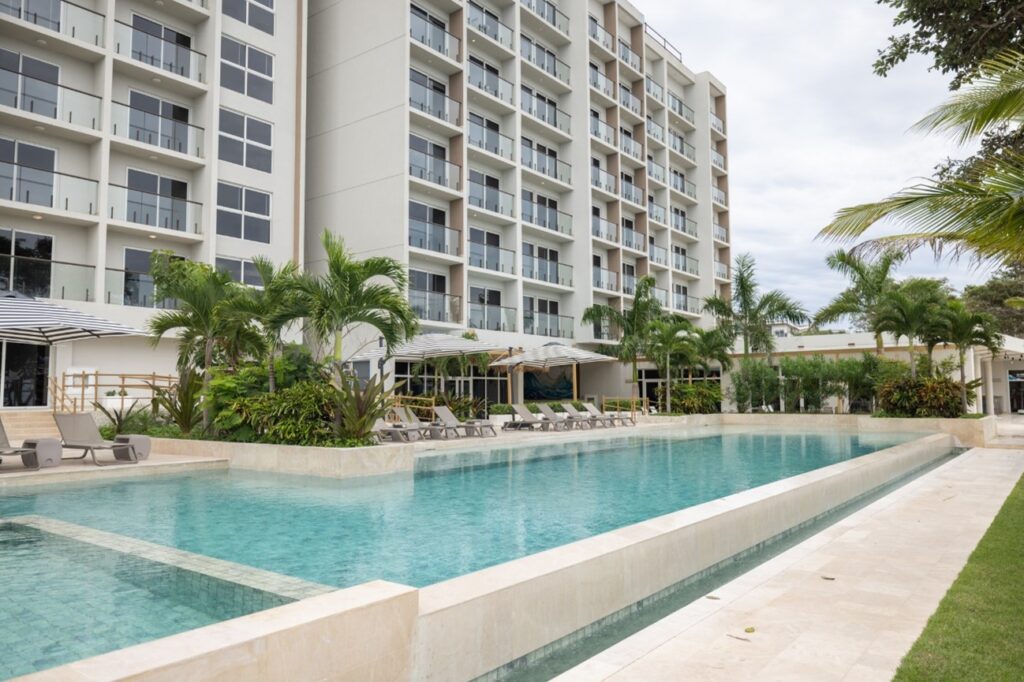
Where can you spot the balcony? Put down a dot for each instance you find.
(718, 196)
(660, 295)
(543, 111)
(433, 103)
(494, 318)
(631, 147)
(434, 237)
(656, 130)
(45, 278)
(546, 217)
(685, 264)
(605, 279)
(551, 65)
(627, 55)
(631, 192)
(630, 101)
(66, 18)
(549, 271)
(156, 130)
(629, 284)
(722, 271)
(134, 289)
(435, 306)
(632, 239)
(491, 141)
(600, 35)
(683, 147)
(48, 189)
(158, 52)
(549, 13)
(721, 234)
(653, 89)
(491, 83)
(681, 184)
(659, 255)
(155, 210)
(602, 179)
(493, 258)
(655, 171)
(546, 165)
(602, 131)
(680, 109)
(491, 27)
(434, 37)
(49, 100)
(717, 160)
(546, 324)
(603, 229)
(602, 84)
(686, 304)
(434, 170)
(717, 124)
(681, 223)
(657, 212)
(603, 332)
(491, 199)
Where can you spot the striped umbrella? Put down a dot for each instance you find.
(426, 346)
(23, 318)
(552, 355)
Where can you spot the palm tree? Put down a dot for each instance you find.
(667, 337)
(964, 330)
(750, 314)
(869, 282)
(911, 311)
(353, 292)
(633, 324)
(710, 346)
(978, 216)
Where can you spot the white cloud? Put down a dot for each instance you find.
(811, 127)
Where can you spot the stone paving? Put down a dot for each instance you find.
(846, 604)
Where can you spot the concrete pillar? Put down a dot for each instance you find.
(976, 374)
(989, 390)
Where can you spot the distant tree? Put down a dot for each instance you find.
(992, 297)
(870, 281)
(912, 310)
(966, 329)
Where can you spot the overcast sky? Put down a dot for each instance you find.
(811, 127)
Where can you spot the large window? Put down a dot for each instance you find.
(156, 121)
(157, 200)
(25, 262)
(246, 141)
(138, 288)
(257, 13)
(27, 172)
(247, 70)
(29, 84)
(26, 368)
(160, 46)
(241, 271)
(243, 213)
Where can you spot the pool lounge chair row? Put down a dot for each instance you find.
(77, 432)
(573, 418)
(409, 427)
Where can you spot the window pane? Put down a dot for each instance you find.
(266, 3)
(261, 19)
(229, 196)
(258, 158)
(261, 62)
(257, 202)
(234, 9)
(258, 131)
(232, 267)
(233, 123)
(257, 229)
(231, 150)
(229, 224)
(251, 276)
(136, 260)
(232, 50)
(260, 88)
(232, 77)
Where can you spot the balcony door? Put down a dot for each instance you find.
(26, 371)
(485, 308)
(427, 227)
(44, 13)
(434, 94)
(29, 84)
(156, 200)
(160, 46)
(431, 158)
(158, 122)
(26, 262)
(27, 172)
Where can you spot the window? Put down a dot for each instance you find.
(246, 141)
(139, 289)
(155, 200)
(241, 271)
(28, 84)
(159, 122)
(257, 13)
(247, 70)
(159, 46)
(27, 172)
(25, 262)
(243, 213)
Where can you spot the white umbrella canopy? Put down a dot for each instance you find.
(426, 346)
(27, 319)
(552, 355)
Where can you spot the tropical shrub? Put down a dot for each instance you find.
(360, 405)
(182, 402)
(754, 383)
(118, 417)
(809, 382)
(499, 408)
(302, 414)
(699, 397)
(921, 397)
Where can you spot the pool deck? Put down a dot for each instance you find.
(846, 604)
(12, 473)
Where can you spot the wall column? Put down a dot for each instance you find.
(989, 390)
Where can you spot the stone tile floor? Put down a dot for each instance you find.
(846, 604)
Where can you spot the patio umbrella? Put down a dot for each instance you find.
(27, 319)
(426, 346)
(553, 355)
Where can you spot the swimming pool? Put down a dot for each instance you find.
(460, 512)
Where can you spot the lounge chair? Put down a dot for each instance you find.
(561, 421)
(623, 418)
(590, 420)
(35, 454)
(79, 432)
(408, 417)
(471, 427)
(396, 433)
(527, 419)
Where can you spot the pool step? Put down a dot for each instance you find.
(22, 424)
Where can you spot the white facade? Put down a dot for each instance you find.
(526, 159)
(119, 135)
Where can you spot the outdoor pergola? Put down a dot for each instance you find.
(550, 355)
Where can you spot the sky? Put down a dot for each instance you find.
(811, 127)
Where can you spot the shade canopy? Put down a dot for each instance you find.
(552, 355)
(426, 346)
(31, 320)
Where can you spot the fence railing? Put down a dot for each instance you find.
(77, 391)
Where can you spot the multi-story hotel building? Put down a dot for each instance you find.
(128, 126)
(525, 158)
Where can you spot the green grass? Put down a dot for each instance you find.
(978, 629)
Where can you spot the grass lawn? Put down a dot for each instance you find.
(977, 633)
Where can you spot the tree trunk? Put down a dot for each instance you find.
(635, 391)
(963, 381)
(668, 383)
(879, 344)
(271, 369)
(207, 362)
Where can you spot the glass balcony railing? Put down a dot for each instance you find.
(491, 83)
(47, 188)
(43, 98)
(722, 271)
(657, 254)
(546, 165)
(494, 258)
(717, 160)
(718, 196)
(628, 284)
(680, 109)
(551, 115)
(433, 102)
(156, 210)
(492, 141)
(653, 89)
(434, 237)
(435, 306)
(602, 179)
(154, 129)
(602, 130)
(685, 264)
(135, 289)
(630, 57)
(491, 199)
(681, 223)
(656, 130)
(685, 303)
(681, 184)
(547, 217)
(543, 60)
(546, 324)
(490, 27)
(631, 192)
(717, 124)
(660, 295)
(602, 83)
(605, 279)
(631, 147)
(655, 171)
(598, 33)
(549, 271)
(630, 101)
(657, 212)
(63, 17)
(683, 147)
(495, 318)
(433, 36)
(159, 52)
(721, 234)
(605, 229)
(549, 13)
(632, 239)
(45, 278)
(435, 170)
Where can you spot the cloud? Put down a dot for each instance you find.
(811, 127)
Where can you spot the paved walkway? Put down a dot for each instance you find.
(846, 604)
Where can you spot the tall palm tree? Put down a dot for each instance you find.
(911, 311)
(869, 282)
(750, 314)
(710, 347)
(668, 337)
(633, 324)
(965, 330)
(979, 216)
(352, 292)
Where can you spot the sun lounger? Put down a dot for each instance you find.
(623, 418)
(408, 417)
(470, 427)
(396, 433)
(560, 421)
(587, 420)
(526, 420)
(79, 432)
(40, 453)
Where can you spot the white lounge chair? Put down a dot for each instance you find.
(586, 420)
(560, 421)
(527, 419)
(79, 432)
(470, 427)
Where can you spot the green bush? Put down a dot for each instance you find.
(359, 406)
(699, 397)
(754, 383)
(302, 414)
(182, 402)
(623, 404)
(920, 397)
(499, 408)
